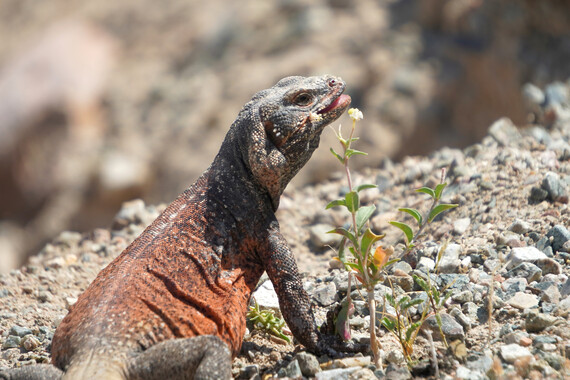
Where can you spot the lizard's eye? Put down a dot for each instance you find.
(303, 99)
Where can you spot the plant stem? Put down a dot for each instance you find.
(373, 341)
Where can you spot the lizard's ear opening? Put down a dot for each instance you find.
(275, 134)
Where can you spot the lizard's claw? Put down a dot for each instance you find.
(331, 346)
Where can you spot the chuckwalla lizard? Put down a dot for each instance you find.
(173, 304)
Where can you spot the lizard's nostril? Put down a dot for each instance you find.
(332, 82)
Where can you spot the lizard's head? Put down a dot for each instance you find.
(297, 109)
(288, 123)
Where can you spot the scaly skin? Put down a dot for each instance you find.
(175, 300)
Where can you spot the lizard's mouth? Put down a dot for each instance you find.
(341, 101)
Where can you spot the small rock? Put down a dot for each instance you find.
(461, 318)
(536, 322)
(292, 371)
(403, 266)
(526, 270)
(334, 374)
(460, 226)
(523, 301)
(308, 363)
(325, 295)
(520, 255)
(30, 342)
(560, 235)
(549, 266)
(450, 262)
(554, 187)
(250, 371)
(504, 131)
(425, 264)
(449, 326)
(20, 331)
(11, 341)
(462, 297)
(533, 95)
(394, 372)
(537, 195)
(395, 357)
(520, 227)
(404, 282)
(266, 297)
(512, 352)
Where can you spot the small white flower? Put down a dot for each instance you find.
(355, 114)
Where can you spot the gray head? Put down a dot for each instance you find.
(279, 129)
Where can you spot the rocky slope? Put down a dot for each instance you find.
(508, 246)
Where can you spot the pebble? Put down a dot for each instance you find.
(450, 262)
(559, 235)
(554, 187)
(461, 225)
(526, 270)
(308, 363)
(20, 331)
(504, 132)
(512, 352)
(449, 326)
(536, 322)
(522, 255)
(425, 264)
(291, 371)
(266, 297)
(523, 301)
(520, 227)
(30, 342)
(325, 295)
(336, 374)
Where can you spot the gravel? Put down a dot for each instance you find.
(501, 238)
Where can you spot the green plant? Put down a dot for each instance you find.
(402, 325)
(423, 220)
(359, 238)
(267, 321)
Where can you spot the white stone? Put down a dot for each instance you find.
(266, 297)
(512, 352)
(523, 301)
(460, 226)
(520, 255)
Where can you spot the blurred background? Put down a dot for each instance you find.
(104, 101)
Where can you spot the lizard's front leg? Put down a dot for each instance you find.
(294, 301)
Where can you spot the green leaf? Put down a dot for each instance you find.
(341, 255)
(389, 324)
(403, 300)
(413, 302)
(439, 209)
(338, 202)
(390, 262)
(363, 214)
(413, 212)
(352, 201)
(426, 190)
(421, 282)
(338, 156)
(368, 238)
(344, 232)
(390, 299)
(365, 186)
(439, 189)
(351, 152)
(413, 327)
(405, 228)
(354, 266)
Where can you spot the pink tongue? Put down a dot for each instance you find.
(334, 104)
